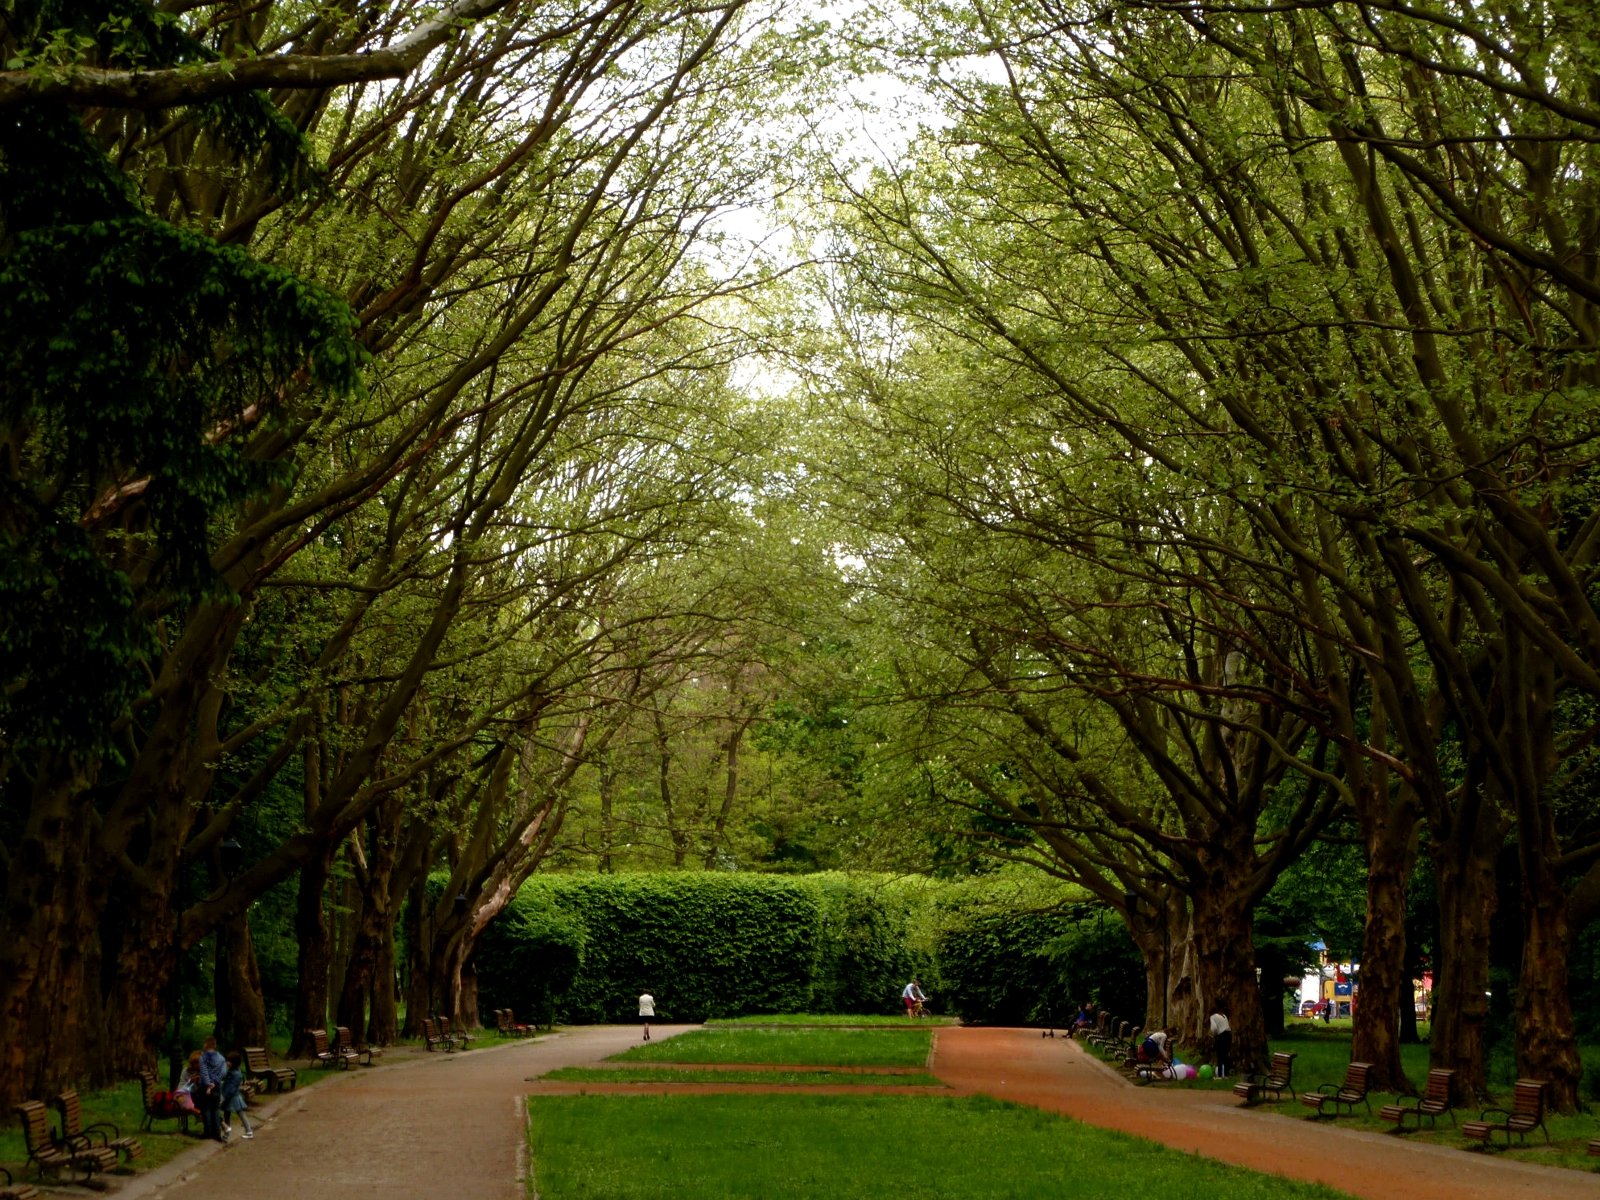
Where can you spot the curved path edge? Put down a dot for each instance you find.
(1020, 1066)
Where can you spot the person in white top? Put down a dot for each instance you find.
(1222, 1039)
(647, 1009)
(913, 997)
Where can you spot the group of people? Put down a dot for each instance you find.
(212, 1088)
(1158, 1045)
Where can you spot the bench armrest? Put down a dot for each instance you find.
(1484, 1115)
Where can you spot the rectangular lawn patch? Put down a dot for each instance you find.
(798, 1047)
(898, 1020)
(857, 1148)
(720, 1075)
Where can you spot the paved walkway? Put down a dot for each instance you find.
(450, 1125)
(444, 1125)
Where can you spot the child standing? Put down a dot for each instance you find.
(233, 1097)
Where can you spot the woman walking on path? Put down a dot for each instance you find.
(647, 1009)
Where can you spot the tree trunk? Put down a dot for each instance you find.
(43, 890)
(311, 928)
(1385, 983)
(1547, 1043)
(607, 789)
(384, 1028)
(1465, 875)
(1223, 965)
(241, 1007)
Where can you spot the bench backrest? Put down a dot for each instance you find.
(147, 1081)
(1437, 1097)
(1281, 1070)
(319, 1040)
(430, 1029)
(344, 1042)
(1527, 1108)
(71, 1110)
(35, 1127)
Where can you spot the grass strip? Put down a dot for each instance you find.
(797, 1047)
(777, 1078)
(870, 1021)
(858, 1148)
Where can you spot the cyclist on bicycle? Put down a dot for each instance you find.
(913, 997)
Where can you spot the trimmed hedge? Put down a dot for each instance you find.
(581, 948)
(704, 945)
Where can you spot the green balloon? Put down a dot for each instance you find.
(1205, 1071)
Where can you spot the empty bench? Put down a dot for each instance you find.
(1329, 1098)
(1278, 1079)
(1434, 1101)
(1525, 1115)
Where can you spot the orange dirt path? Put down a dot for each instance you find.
(1059, 1076)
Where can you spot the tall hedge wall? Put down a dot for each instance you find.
(580, 948)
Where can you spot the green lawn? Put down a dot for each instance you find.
(789, 1046)
(899, 1020)
(844, 1147)
(709, 1075)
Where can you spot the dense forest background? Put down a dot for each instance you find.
(1150, 446)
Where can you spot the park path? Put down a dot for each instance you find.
(1060, 1076)
(442, 1125)
(450, 1125)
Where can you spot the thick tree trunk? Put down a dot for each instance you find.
(43, 890)
(384, 1027)
(1224, 975)
(141, 995)
(241, 1007)
(311, 928)
(1385, 982)
(1461, 978)
(1547, 1043)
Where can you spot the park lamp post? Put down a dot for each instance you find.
(1138, 911)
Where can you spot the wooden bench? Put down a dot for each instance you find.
(12, 1190)
(1594, 1147)
(1329, 1098)
(103, 1134)
(1527, 1114)
(159, 1104)
(1104, 1032)
(431, 1036)
(360, 1051)
(259, 1067)
(324, 1053)
(460, 1037)
(1152, 1070)
(1129, 1050)
(1279, 1078)
(46, 1155)
(1434, 1101)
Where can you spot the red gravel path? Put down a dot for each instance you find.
(1019, 1065)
